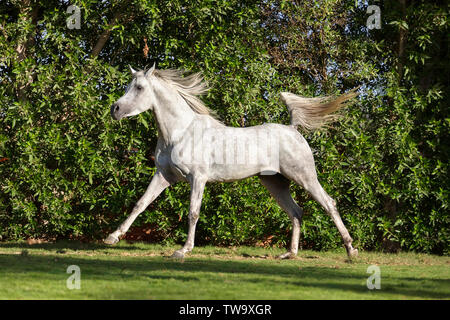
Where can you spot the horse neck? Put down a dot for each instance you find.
(173, 114)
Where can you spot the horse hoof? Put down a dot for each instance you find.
(352, 253)
(111, 240)
(287, 255)
(177, 255)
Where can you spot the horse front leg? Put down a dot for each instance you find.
(156, 186)
(197, 187)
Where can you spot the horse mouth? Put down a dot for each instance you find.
(115, 115)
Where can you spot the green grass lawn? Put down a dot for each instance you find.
(143, 271)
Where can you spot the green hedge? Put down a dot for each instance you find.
(68, 171)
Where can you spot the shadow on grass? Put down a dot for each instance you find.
(66, 244)
(270, 274)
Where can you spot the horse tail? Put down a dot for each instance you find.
(313, 113)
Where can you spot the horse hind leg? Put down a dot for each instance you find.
(278, 187)
(312, 185)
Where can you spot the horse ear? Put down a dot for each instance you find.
(151, 70)
(132, 70)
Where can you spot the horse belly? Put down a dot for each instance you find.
(228, 173)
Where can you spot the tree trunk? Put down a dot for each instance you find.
(402, 36)
(28, 13)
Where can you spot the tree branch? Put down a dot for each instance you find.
(101, 42)
(402, 42)
(27, 13)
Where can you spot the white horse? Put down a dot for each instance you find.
(195, 147)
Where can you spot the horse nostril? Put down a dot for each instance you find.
(114, 110)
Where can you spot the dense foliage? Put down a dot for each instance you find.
(68, 171)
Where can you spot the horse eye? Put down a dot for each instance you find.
(139, 87)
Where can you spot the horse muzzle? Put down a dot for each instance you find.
(115, 112)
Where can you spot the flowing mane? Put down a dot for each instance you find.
(189, 87)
